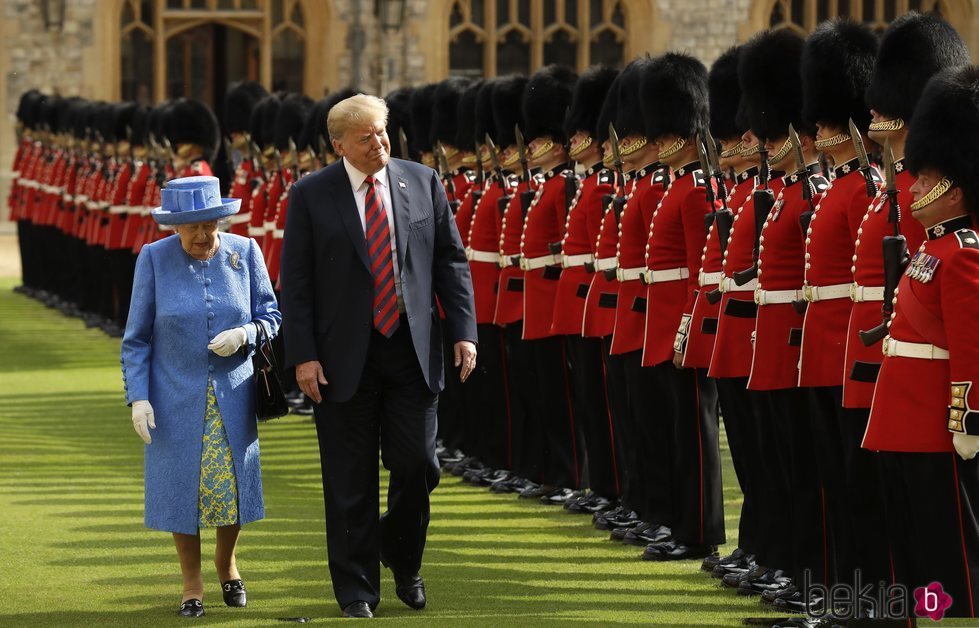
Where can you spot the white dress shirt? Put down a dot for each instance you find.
(359, 186)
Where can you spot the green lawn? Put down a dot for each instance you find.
(75, 552)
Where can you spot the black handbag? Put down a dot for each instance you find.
(270, 401)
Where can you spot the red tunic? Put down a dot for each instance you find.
(630, 309)
(118, 208)
(676, 239)
(583, 225)
(703, 322)
(599, 318)
(919, 401)
(241, 188)
(509, 298)
(829, 255)
(543, 226)
(464, 215)
(781, 272)
(484, 240)
(134, 199)
(862, 363)
(274, 253)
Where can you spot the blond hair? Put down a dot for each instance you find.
(354, 111)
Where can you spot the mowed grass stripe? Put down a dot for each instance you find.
(76, 552)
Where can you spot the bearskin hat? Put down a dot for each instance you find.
(445, 110)
(192, 122)
(49, 111)
(239, 101)
(399, 117)
(466, 113)
(674, 96)
(606, 114)
(589, 94)
(507, 96)
(67, 114)
(628, 118)
(27, 106)
(314, 127)
(771, 84)
(485, 123)
(124, 120)
(261, 123)
(837, 62)
(546, 101)
(724, 95)
(942, 132)
(422, 101)
(914, 47)
(140, 125)
(290, 119)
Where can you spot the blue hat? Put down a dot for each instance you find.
(193, 199)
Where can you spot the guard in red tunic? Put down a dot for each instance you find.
(836, 67)
(239, 101)
(121, 261)
(562, 407)
(674, 103)
(648, 454)
(922, 420)
(26, 237)
(588, 377)
(261, 128)
(738, 407)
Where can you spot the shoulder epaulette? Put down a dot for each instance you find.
(469, 175)
(699, 179)
(661, 175)
(819, 182)
(606, 177)
(968, 239)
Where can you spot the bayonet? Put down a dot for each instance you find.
(764, 200)
(403, 143)
(450, 185)
(715, 168)
(522, 154)
(613, 139)
(864, 159)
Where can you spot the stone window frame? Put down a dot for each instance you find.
(815, 11)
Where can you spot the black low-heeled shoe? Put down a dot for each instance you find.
(191, 608)
(234, 593)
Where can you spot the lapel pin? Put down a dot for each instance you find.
(402, 184)
(234, 259)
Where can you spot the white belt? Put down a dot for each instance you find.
(728, 285)
(256, 231)
(825, 293)
(81, 198)
(859, 294)
(775, 297)
(278, 233)
(51, 189)
(573, 261)
(145, 210)
(535, 263)
(66, 197)
(605, 263)
(237, 219)
(92, 206)
(709, 279)
(922, 351)
(630, 274)
(649, 277)
(119, 209)
(26, 183)
(269, 225)
(490, 257)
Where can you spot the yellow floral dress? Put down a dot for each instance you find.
(218, 494)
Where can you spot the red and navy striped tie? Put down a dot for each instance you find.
(382, 263)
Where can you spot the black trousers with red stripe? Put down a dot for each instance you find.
(617, 389)
(650, 448)
(486, 424)
(592, 414)
(561, 461)
(931, 501)
(526, 433)
(453, 406)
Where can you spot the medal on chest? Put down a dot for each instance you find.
(922, 267)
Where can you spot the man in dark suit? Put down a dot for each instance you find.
(369, 244)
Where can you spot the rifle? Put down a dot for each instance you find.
(294, 158)
(896, 256)
(764, 200)
(504, 200)
(403, 143)
(477, 188)
(450, 185)
(527, 196)
(723, 218)
(229, 161)
(800, 163)
(618, 202)
(864, 160)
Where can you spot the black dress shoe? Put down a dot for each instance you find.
(710, 562)
(733, 578)
(675, 550)
(556, 497)
(625, 519)
(771, 579)
(537, 491)
(411, 590)
(191, 608)
(624, 525)
(770, 595)
(653, 533)
(357, 609)
(234, 593)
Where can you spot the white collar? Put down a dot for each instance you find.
(357, 177)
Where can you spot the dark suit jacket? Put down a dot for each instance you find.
(327, 286)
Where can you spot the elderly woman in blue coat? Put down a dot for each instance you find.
(198, 299)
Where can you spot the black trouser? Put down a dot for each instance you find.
(527, 433)
(864, 503)
(617, 389)
(796, 516)
(452, 400)
(552, 408)
(123, 264)
(394, 406)
(592, 413)
(931, 521)
(27, 246)
(486, 425)
(742, 411)
(690, 402)
(828, 442)
(650, 448)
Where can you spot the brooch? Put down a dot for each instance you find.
(235, 260)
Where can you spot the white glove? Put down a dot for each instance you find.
(966, 446)
(228, 341)
(143, 420)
